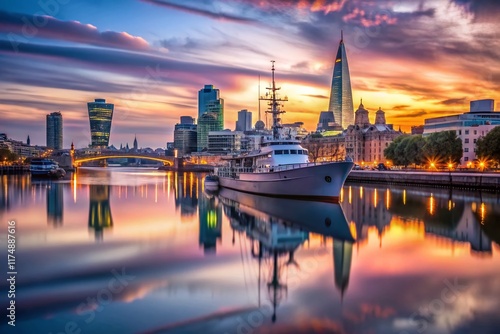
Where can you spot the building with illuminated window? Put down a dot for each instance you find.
(244, 122)
(206, 123)
(100, 116)
(210, 115)
(54, 131)
(341, 94)
(469, 126)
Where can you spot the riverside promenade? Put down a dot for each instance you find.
(488, 181)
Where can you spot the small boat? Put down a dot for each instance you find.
(40, 167)
(281, 167)
(211, 182)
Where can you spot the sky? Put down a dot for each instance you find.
(414, 59)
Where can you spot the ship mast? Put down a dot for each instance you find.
(274, 103)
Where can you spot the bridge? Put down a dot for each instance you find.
(79, 158)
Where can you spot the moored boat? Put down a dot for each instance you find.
(211, 182)
(281, 166)
(40, 167)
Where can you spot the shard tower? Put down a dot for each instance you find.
(341, 94)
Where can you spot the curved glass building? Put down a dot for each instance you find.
(100, 116)
(341, 93)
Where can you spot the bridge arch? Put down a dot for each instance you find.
(79, 160)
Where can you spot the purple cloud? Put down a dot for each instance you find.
(21, 27)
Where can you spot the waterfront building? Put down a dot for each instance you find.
(225, 142)
(54, 131)
(469, 126)
(206, 123)
(185, 136)
(330, 148)
(244, 122)
(100, 116)
(294, 130)
(341, 94)
(365, 142)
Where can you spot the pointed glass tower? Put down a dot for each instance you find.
(341, 93)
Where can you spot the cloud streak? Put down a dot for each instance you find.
(21, 27)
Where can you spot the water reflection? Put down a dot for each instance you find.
(99, 210)
(277, 227)
(204, 262)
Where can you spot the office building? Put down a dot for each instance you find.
(54, 131)
(100, 116)
(210, 114)
(244, 122)
(341, 94)
(469, 126)
(205, 95)
(206, 123)
(185, 136)
(225, 142)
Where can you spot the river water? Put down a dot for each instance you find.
(124, 250)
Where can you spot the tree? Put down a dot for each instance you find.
(443, 147)
(414, 149)
(488, 147)
(7, 155)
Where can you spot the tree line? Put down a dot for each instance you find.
(438, 148)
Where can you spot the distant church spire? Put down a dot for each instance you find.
(28, 141)
(135, 143)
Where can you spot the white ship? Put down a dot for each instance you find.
(281, 166)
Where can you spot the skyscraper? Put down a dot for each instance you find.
(341, 93)
(206, 95)
(100, 116)
(185, 136)
(54, 131)
(244, 122)
(210, 114)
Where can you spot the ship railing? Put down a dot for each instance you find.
(234, 172)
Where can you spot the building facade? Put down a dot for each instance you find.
(469, 126)
(206, 95)
(206, 123)
(244, 122)
(225, 142)
(100, 116)
(185, 136)
(365, 142)
(341, 94)
(54, 131)
(210, 115)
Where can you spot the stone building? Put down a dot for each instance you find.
(365, 142)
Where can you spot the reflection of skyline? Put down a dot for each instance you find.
(210, 219)
(99, 209)
(186, 190)
(55, 204)
(442, 213)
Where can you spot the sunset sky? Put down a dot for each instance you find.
(414, 59)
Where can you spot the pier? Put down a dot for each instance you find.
(488, 181)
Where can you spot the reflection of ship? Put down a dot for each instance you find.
(99, 209)
(277, 227)
(55, 203)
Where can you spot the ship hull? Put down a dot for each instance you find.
(322, 182)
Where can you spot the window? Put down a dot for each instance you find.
(459, 132)
(475, 141)
(293, 151)
(286, 151)
(466, 141)
(278, 152)
(466, 132)
(299, 151)
(305, 152)
(475, 132)
(466, 159)
(466, 149)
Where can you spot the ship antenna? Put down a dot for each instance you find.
(258, 96)
(274, 103)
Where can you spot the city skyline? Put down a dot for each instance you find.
(58, 58)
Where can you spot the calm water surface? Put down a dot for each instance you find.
(140, 251)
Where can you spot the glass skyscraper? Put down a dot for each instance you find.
(54, 131)
(341, 93)
(210, 114)
(100, 115)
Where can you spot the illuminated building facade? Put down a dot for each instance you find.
(100, 116)
(341, 94)
(185, 136)
(206, 123)
(54, 131)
